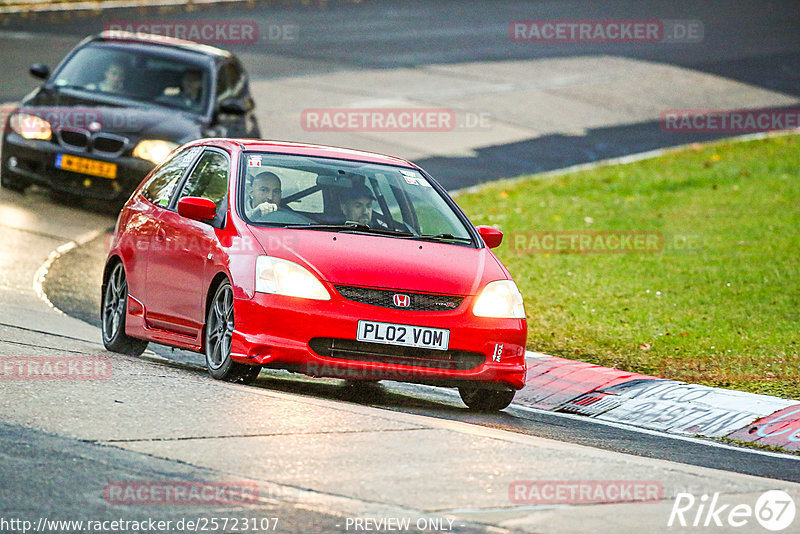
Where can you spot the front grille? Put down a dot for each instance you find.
(348, 349)
(101, 143)
(108, 144)
(385, 299)
(74, 139)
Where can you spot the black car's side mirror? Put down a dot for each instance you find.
(232, 106)
(40, 70)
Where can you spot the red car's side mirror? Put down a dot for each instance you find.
(491, 236)
(197, 208)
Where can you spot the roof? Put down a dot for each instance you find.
(162, 40)
(305, 149)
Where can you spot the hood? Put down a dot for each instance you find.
(73, 110)
(384, 262)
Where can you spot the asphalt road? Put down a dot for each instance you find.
(753, 42)
(73, 286)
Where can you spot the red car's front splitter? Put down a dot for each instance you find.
(276, 331)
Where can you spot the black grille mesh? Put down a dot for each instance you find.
(385, 299)
(101, 143)
(348, 349)
(74, 139)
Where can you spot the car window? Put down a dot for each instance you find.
(137, 75)
(209, 179)
(162, 182)
(231, 81)
(223, 81)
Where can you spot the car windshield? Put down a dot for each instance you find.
(146, 77)
(339, 195)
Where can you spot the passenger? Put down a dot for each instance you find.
(356, 204)
(191, 87)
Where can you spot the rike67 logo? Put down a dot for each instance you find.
(774, 510)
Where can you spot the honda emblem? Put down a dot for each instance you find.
(402, 301)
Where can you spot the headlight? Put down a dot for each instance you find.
(155, 150)
(500, 299)
(284, 277)
(31, 126)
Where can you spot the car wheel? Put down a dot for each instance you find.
(485, 399)
(113, 311)
(219, 330)
(14, 185)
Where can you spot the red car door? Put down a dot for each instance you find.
(183, 251)
(143, 212)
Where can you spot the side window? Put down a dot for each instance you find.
(238, 79)
(224, 79)
(161, 184)
(209, 179)
(231, 81)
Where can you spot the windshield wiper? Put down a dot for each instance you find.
(351, 226)
(445, 237)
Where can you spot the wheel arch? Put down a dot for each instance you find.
(218, 279)
(110, 264)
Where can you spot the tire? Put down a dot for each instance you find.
(219, 329)
(485, 399)
(113, 310)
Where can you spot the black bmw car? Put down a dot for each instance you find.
(115, 107)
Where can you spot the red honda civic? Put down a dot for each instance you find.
(324, 261)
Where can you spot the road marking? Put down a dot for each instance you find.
(40, 275)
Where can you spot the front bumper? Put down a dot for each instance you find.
(297, 334)
(35, 163)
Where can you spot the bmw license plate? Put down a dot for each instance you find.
(88, 166)
(402, 334)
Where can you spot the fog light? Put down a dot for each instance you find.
(12, 162)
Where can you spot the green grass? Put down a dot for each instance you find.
(720, 304)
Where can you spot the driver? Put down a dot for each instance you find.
(356, 205)
(264, 196)
(114, 77)
(191, 87)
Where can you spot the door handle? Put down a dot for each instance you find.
(161, 234)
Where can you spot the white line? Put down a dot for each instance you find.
(655, 432)
(41, 273)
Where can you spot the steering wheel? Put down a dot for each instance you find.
(285, 216)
